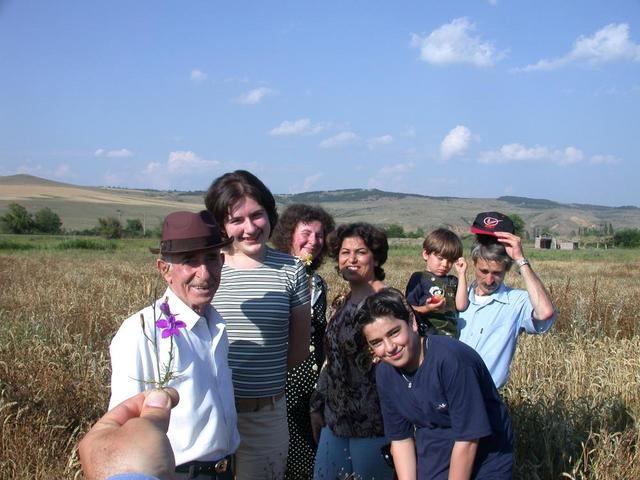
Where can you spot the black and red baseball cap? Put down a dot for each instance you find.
(488, 223)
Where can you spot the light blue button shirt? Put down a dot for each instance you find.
(492, 328)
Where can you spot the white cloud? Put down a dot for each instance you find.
(456, 142)
(243, 79)
(454, 43)
(410, 132)
(516, 153)
(376, 142)
(187, 162)
(603, 160)
(121, 153)
(307, 185)
(343, 138)
(198, 75)
(254, 96)
(302, 126)
(391, 176)
(152, 168)
(310, 181)
(179, 164)
(493, 3)
(609, 44)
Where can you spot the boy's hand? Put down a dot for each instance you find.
(461, 266)
(434, 303)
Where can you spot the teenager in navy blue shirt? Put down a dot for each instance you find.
(441, 409)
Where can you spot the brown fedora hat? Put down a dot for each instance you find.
(187, 232)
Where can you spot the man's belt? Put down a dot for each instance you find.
(208, 468)
(244, 405)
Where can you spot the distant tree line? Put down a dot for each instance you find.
(397, 231)
(598, 231)
(629, 237)
(19, 220)
(111, 227)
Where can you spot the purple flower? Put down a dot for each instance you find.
(169, 325)
(173, 331)
(164, 308)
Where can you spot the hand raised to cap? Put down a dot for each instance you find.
(512, 244)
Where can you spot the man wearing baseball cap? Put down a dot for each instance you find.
(182, 339)
(498, 314)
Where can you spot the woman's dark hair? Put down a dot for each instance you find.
(387, 302)
(301, 213)
(228, 189)
(373, 237)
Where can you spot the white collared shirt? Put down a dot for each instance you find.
(203, 424)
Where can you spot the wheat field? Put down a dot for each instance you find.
(574, 394)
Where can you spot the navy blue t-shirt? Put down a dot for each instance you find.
(452, 398)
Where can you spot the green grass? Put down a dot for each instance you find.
(74, 242)
(86, 244)
(6, 244)
(585, 254)
(411, 246)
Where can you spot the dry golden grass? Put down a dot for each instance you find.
(574, 394)
(22, 193)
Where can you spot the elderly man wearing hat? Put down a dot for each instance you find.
(182, 338)
(498, 314)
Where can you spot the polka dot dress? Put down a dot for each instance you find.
(301, 382)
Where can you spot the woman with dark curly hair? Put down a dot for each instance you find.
(302, 231)
(345, 409)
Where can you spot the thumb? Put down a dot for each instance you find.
(157, 406)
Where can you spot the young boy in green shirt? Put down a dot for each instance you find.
(436, 296)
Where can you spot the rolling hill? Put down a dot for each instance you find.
(79, 207)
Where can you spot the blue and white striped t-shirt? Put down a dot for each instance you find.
(256, 304)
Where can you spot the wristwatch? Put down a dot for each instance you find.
(522, 262)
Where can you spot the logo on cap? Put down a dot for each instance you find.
(491, 222)
(488, 223)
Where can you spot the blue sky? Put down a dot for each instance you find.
(469, 98)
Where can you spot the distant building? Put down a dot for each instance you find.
(568, 245)
(547, 242)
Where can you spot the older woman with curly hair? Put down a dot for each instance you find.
(345, 409)
(302, 231)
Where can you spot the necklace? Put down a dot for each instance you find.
(409, 380)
